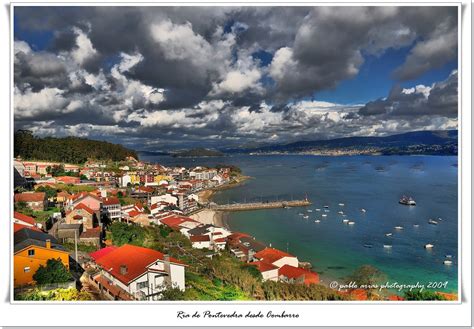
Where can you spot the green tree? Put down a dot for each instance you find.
(422, 295)
(53, 272)
(122, 233)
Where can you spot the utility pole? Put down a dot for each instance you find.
(75, 245)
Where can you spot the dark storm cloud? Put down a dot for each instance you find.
(193, 73)
(441, 99)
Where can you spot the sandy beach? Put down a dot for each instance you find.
(208, 216)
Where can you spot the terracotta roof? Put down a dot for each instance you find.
(175, 222)
(220, 240)
(271, 255)
(17, 227)
(24, 218)
(136, 259)
(84, 207)
(63, 194)
(135, 213)
(292, 272)
(102, 252)
(68, 179)
(199, 238)
(263, 267)
(30, 197)
(91, 233)
(237, 235)
(110, 201)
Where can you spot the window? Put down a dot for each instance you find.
(141, 285)
(26, 269)
(31, 253)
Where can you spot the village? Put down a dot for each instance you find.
(76, 217)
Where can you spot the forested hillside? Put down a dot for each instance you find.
(67, 149)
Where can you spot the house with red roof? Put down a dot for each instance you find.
(179, 222)
(276, 257)
(82, 214)
(268, 271)
(201, 241)
(112, 208)
(137, 272)
(291, 274)
(34, 200)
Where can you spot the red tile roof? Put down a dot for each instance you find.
(102, 252)
(17, 227)
(136, 259)
(292, 272)
(135, 213)
(112, 288)
(91, 233)
(30, 197)
(271, 255)
(220, 240)
(84, 207)
(199, 238)
(63, 194)
(175, 222)
(263, 267)
(68, 179)
(24, 218)
(110, 201)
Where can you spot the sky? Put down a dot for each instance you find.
(162, 78)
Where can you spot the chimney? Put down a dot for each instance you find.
(123, 269)
(48, 244)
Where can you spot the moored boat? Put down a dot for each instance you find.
(399, 227)
(448, 262)
(429, 246)
(407, 201)
(350, 223)
(432, 222)
(387, 246)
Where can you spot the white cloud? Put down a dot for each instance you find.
(30, 104)
(84, 49)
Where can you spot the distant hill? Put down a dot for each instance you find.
(67, 149)
(419, 142)
(198, 152)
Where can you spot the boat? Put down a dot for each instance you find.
(305, 216)
(326, 210)
(344, 215)
(428, 246)
(326, 207)
(351, 223)
(399, 227)
(407, 201)
(416, 225)
(341, 204)
(301, 214)
(363, 210)
(309, 210)
(324, 215)
(368, 245)
(388, 234)
(440, 219)
(448, 262)
(432, 222)
(345, 221)
(317, 221)
(387, 246)
(449, 256)
(317, 209)
(340, 212)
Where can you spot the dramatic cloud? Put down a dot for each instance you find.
(161, 77)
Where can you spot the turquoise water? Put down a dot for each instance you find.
(375, 183)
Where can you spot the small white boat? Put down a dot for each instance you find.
(324, 215)
(341, 204)
(399, 227)
(350, 223)
(326, 207)
(305, 216)
(387, 246)
(301, 214)
(448, 262)
(344, 215)
(416, 225)
(317, 209)
(363, 210)
(309, 210)
(317, 221)
(345, 221)
(449, 256)
(429, 246)
(388, 234)
(340, 212)
(432, 222)
(326, 210)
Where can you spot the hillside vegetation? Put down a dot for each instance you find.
(67, 149)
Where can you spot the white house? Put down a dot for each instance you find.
(200, 241)
(276, 257)
(125, 180)
(168, 198)
(137, 272)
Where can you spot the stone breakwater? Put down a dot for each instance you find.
(260, 205)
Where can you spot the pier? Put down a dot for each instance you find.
(260, 205)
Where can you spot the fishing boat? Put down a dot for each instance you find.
(407, 201)
(416, 225)
(326, 207)
(309, 210)
(399, 227)
(326, 210)
(301, 214)
(363, 210)
(345, 221)
(350, 223)
(448, 262)
(432, 222)
(388, 234)
(324, 215)
(341, 204)
(387, 246)
(317, 221)
(305, 216)
(449, 256)
(317, 209)
(429, 246)
(340, 212)
(368, 245)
